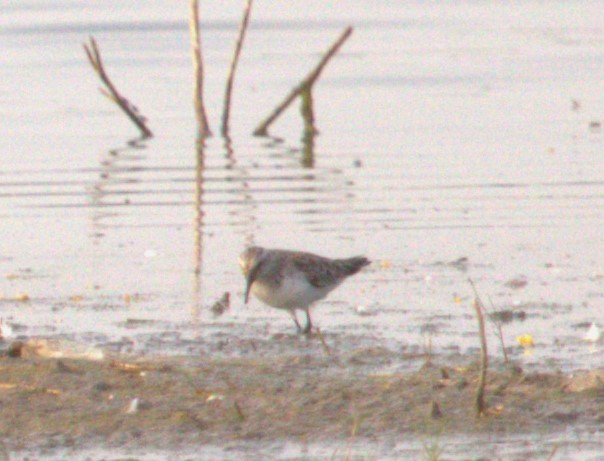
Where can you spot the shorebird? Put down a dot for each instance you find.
(292, 280)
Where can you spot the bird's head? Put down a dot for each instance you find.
(249, 262)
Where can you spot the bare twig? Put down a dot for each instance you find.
(497, 324)
(94, 56)
(498, 329)
(480, 403)
(200, 113)
(262, 129)
(231, 78)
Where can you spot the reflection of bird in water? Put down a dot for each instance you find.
(293, 280)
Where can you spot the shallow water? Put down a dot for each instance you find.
(572, 445)
(447, 131)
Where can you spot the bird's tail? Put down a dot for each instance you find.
(353, 265)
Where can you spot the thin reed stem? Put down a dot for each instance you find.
(226, 111)
(202, 121)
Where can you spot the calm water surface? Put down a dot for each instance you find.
(456, 140)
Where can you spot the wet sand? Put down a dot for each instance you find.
(333, 399)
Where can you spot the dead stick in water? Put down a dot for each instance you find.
(94, 57)
(479, 402)
(499, 330)
(226, 111)
(200, 113)
(262, 129)
(496, 323)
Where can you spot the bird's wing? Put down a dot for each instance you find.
(320, 272)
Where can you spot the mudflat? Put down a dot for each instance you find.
(168, 402)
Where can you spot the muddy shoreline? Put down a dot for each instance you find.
(171, 402)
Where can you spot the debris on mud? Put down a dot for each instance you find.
(124, 401)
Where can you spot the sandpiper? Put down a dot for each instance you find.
(293, 280)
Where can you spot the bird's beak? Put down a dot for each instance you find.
(248, 286)
(250, 280)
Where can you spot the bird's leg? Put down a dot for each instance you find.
(293, 314)
(307, 329)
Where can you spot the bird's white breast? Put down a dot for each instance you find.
(294, 292)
